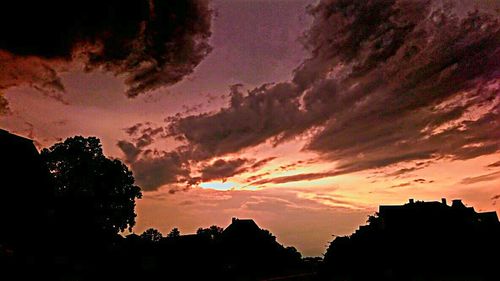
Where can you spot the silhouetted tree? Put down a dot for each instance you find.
(213, 232)
(292, 252)
(92, 193)
(268, 234)
(152, 235)
(174, 233)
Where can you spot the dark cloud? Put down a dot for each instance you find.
(494, 165)
(294, 165)
(263, 113)
(404, 171)
(481, 178)
(257, 177)
(132, 130)
(31, 71)
(395, 95)
(401, 185)
(287, 167)
(153, 172)
(154, 168)
(142, 135)
(222, 169)
(148, 135)
(293, 178)
(387, 82)
(259, 164)
(130, 150)
(420, 180)
(152, 43)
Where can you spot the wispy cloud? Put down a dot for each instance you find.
(494, 165)
(481, 178)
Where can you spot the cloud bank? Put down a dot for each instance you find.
(386, 82)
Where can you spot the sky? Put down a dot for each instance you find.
(304, 115)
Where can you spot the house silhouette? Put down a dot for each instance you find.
(418, 241)
(241, 229)
(247, 250)
(25, 191)
(25, 210)
(433, 212)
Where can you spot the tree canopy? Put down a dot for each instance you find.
(91, 192)
(152, 234)
(174, 233)
(213, 231)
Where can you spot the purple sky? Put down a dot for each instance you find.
(367, 105)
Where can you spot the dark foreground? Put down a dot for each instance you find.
(62, 212)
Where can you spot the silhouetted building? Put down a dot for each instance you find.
(24, 191)
(248, 250)
(433, 211)
(241, 229)
(25, 209)
(418, 241)
(487, 217)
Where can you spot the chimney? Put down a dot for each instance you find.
(412, 201)
(443, 200)
(457, 203)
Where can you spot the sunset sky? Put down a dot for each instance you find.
(304, 115)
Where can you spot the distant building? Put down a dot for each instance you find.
(418, 241)
(433, 210)
(247, 247)
(241, 227)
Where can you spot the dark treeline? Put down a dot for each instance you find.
(63, 211)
